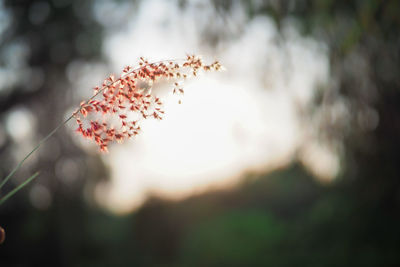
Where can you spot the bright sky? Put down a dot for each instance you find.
(243, 119)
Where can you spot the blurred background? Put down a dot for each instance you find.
(288, 158)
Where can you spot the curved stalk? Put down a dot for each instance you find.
(9, 176)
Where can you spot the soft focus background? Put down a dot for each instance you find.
(287, 158)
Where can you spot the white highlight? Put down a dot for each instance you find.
(243, 119)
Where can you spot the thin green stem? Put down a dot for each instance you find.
(15, 190)
(62, 124)
(30, 153)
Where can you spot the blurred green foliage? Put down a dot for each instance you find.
(281, 219)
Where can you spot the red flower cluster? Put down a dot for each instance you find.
(115, 109)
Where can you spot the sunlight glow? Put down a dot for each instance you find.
(244, 119)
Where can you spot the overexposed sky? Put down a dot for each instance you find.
(243, 119)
